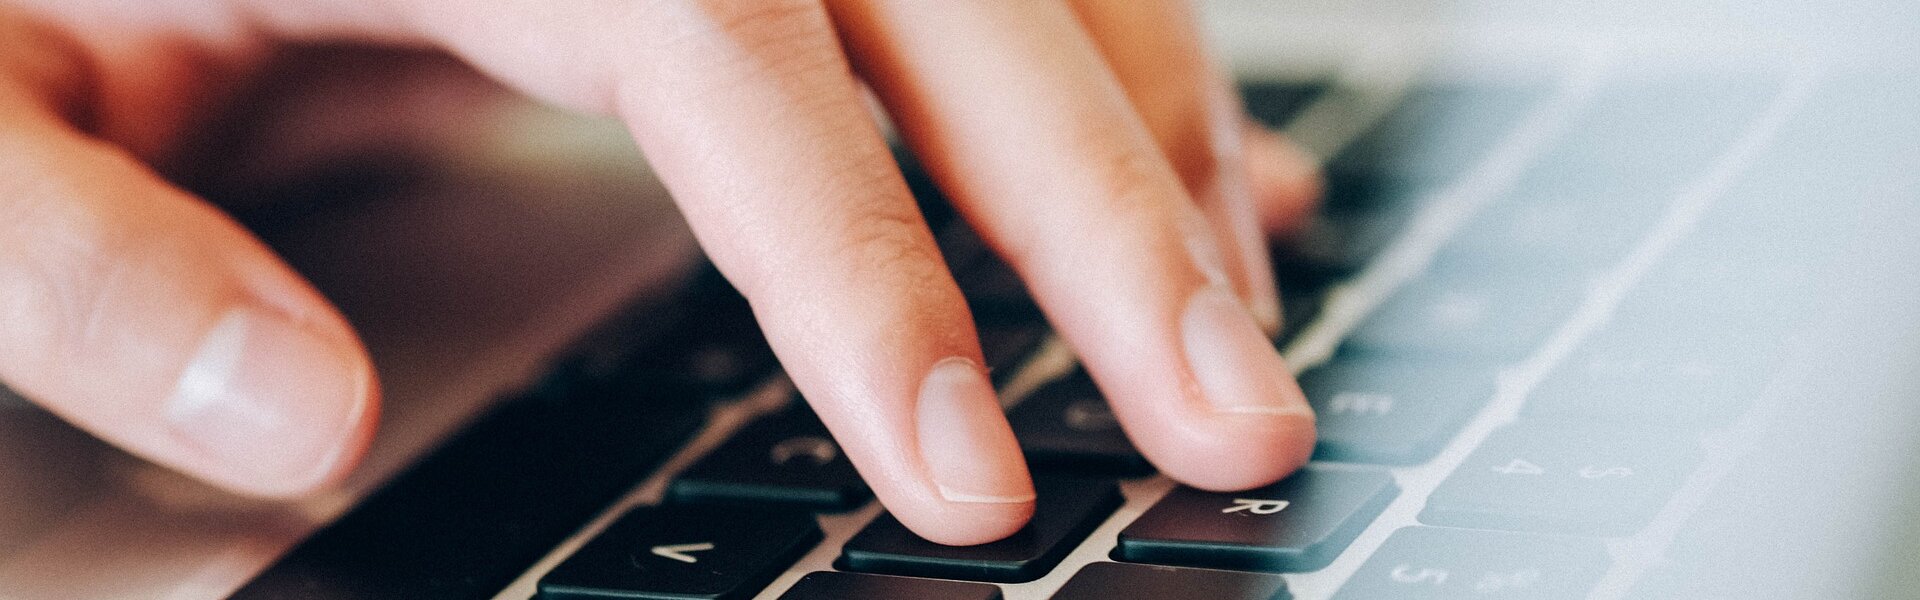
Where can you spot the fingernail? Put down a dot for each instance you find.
(270, 400)
(1238, 369)
(1265, 309)
(965, 441)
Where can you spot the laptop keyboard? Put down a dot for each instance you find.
(1495, 408)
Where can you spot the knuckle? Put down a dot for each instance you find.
(70, 263)
(757, 19)
(760, 31)
(726, 48)
(891, 245)
(1137, 187)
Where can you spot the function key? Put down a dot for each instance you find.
(1467, 317)
(1395, 412)
(684, 552)
(786, 458)
(1565, 478)
(1658, 375)
(1274, 103)
(1550, 232)
(1730, 284)
(830, 585)
(1118, 581)
(1428, 563)
(1067, 510)
(1298, 524)
(1439, 131)
(1067, 426)
(1649, 137)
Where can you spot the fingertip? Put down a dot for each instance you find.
(271, 408)
(964, 523)
(1286, 180)
(1249, 452)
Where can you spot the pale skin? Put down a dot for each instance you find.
(1093, 143)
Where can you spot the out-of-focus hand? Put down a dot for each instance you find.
(1091, 142)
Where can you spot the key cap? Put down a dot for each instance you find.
(1565, 478)
(1657, 375)
(1650, 137)
(1008, 340)
(1551, 232)
(1426, 563)
(829, 585)
(1341, 241)
(1301, 297)
(720, 348)
(1439, 131)
(484, 507)
(684, 552)
(1068, 509)
(1067, 426)
(1467, 317)
(1298, 524)
(1118, 581)
(1274, 103)
(1728, 285)
(786, 458)
(1388, 411)
(990, 284)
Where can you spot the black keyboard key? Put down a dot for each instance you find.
(1551, 232)
(1067, 426)
(717, 348)
(1118, 581)
(1438, 132)
(684, 552)
(1067, 510)
(990, 284)
(1565, 478)
(1008, 339)
(484, 507)
(783, 459)
(1395, 412)
(1427, 563)
(1467, 317)
(1649, 137)
(1339, 243)
(1274, 103)
(1730, 283)
(1301, 298)
(1657, 375)
(829, 585)
(1298, 524)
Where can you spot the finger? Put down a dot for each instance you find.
(148, 318)
(1155, 49)
(1285, 180)
(1035, 140)
(749, 113)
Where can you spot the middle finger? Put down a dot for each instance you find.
(1011, 107)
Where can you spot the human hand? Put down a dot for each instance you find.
(1091, 142)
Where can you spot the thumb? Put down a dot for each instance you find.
(148, 318)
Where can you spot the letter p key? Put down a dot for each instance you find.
(1256, 507)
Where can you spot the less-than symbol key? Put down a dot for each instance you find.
(647, 555)
(679, 551)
